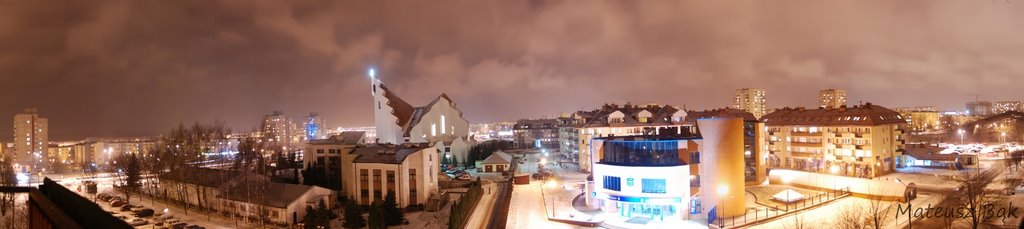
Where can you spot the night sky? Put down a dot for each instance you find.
(127, 68)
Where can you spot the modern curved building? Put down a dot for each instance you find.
(643, 176)
(661, 178)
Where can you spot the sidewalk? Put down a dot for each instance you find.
(484, 207)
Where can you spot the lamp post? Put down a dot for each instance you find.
(552, 184)
(961, 132)
(785, 180)
(906, 195)
(1004, 137)
(835, 172)
(722, 191)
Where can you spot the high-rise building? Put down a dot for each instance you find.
(314, 127)
(751, 100)
(832, 98)
(1004, 106)
(30, 141)
(979, 108)
(281, 131)
(860, 141)
(536, 133)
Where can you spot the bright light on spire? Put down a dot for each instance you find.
(373, 73)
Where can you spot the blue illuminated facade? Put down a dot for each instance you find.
(643, 176)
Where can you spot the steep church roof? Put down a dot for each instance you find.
(409, 116)
(399, 108)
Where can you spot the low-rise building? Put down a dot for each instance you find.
(931, 156)
(327, 155)
(242, 193)
(279, 203)
(409, 171)
(921, 118)
(498, 162)
(859, 141)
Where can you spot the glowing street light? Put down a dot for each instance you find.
(372, 73)
(835, 172)
(785, 180)
(961, 132)
(722, 191)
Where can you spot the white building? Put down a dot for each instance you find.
(409, 171)
(439, 122)
(30, 141)
(616, 120)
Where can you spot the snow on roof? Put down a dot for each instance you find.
(788, 196)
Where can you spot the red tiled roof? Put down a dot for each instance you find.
(864, 115)
(399, 108)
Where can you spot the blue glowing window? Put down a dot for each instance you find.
(653, 185)
(612, 183)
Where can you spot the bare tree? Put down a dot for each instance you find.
(878, 212)
(799, 222)
(971, 194)
(10, 210)
(852, 217)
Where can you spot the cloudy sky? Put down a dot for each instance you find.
(125, 68)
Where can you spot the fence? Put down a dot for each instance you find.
(778, 210)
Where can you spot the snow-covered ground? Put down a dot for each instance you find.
(530, 208)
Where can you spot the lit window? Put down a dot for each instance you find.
(443, 127)
(433, 129)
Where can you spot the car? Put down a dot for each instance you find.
(194, 227)
(127, 207)
(464, 176)
(117, 203)
(179, 225)
(138, 222)
(164, 216)
(145, 212)
(121, 217)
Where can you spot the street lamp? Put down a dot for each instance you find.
(552, 184)
(961, 132)
(1004, 137)
(835, 172)
(722, 191)
(906, 195)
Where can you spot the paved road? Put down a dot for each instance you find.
(499, 216)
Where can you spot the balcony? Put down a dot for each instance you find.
(73, 212)
(806, 144)
(806, 134)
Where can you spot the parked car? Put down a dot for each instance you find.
(117, 203)
(138, 222)
(179, 225)
(127, 207)
(194, 227)
(145, 212)
(464, 176)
